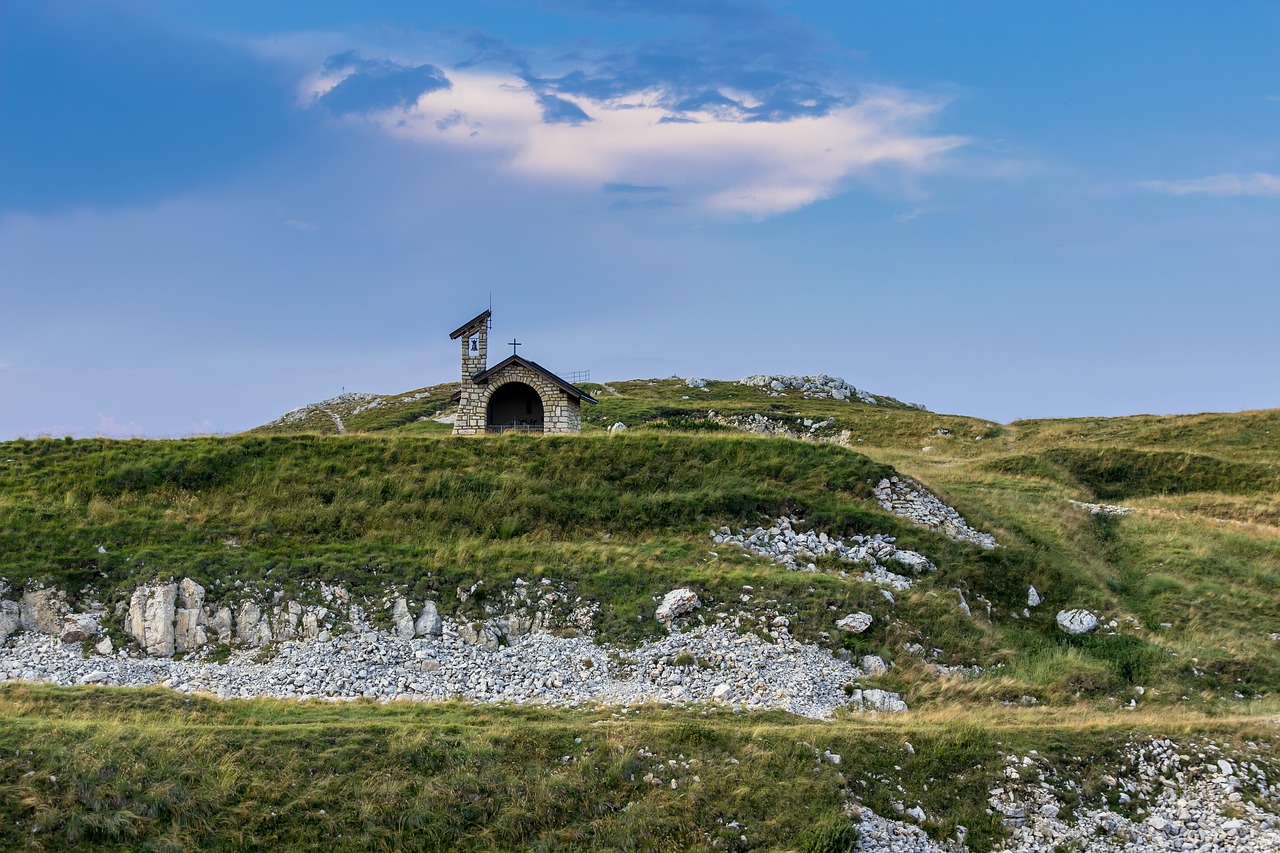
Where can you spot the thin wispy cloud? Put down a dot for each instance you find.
(109, 427)
(300, 225)
(1226, 185)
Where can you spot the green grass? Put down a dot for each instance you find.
(1192, 580)
(114, 769)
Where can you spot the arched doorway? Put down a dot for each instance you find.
(514, 406)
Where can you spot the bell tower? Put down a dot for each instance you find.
(474, 335)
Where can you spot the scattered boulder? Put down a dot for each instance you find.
(855, 623)
(618, 427)
(676, 603)
(882, 700)
(873, 665)
(1077, 621)
(401, 621)
(1033, 597)
(428, 623)
(104, 646)
(78, 627)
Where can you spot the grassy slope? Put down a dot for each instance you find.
(115, 769)
(624, 518)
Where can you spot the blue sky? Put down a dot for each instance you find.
(211, 213)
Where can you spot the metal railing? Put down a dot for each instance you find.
(578, 376)
(495, 428)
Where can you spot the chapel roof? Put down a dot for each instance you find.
(573, 391)
(469, 325)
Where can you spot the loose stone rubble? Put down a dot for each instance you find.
(797, 550)
(907, 498)
(332, 651)
(820, 387)
(1101, 509)
(709, 663)
(1165, 796)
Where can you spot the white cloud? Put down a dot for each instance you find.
(717, 161)
(300, 225)
(109, 427)
(1253, 184)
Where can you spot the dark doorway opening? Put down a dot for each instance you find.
(515, 406)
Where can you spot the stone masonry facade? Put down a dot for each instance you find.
(561, 412)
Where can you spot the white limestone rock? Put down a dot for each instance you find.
(189, 632)
(252, 627)
(151, 617)
(676, 603)
(855, 623)
(42, 610)
(1033, 597)
(873, 665)
(1077, 621)
(883, 700)
(401, 621)
(10, 619)
(428, 623)
(78, 627)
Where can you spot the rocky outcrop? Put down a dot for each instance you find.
(1101, 509)
(907, 498)
(189, 632)
(10, 619)
(798, 550)
(150, 620)
(1077, 621)
(819, 387)
(41, 610)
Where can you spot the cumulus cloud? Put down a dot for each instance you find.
(720, 156)
(353, 84)
(1233, 184)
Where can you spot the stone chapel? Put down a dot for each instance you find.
(515, 394)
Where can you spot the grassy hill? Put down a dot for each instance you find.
(1191, 580)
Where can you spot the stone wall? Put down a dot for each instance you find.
(560, 413)
(468, 421)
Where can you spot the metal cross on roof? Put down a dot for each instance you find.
(514, 343)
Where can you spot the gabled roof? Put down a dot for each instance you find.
(467, 326)
(573, 391)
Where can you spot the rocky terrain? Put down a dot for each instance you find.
(331, 651)
(1166, 796)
